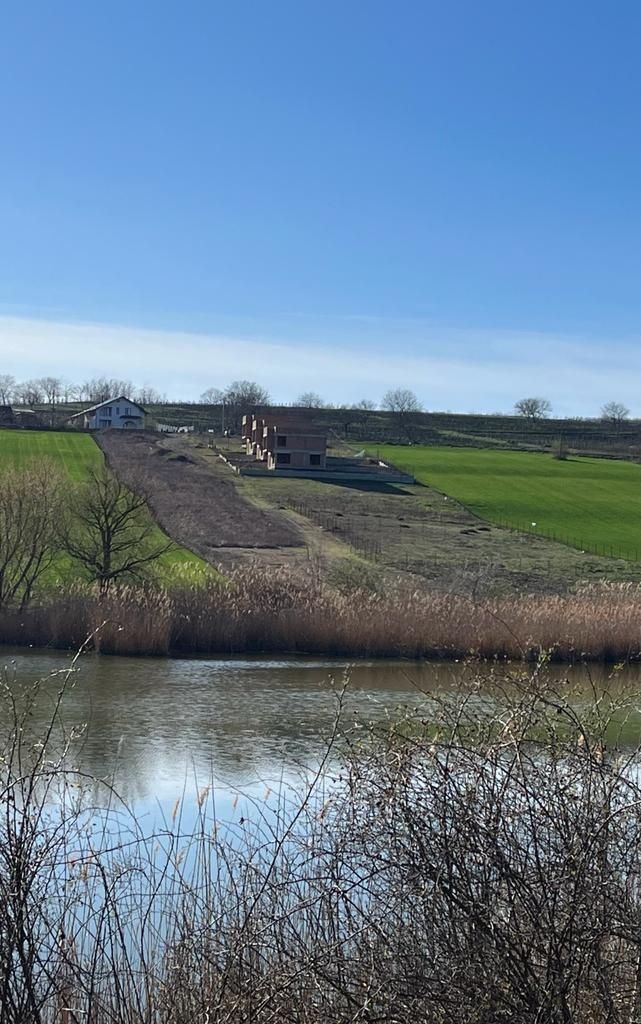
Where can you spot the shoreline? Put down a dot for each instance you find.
(342, 658)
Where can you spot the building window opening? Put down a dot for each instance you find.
(281, 441)
(283, 459)
(314, 460)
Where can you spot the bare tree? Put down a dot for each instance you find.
(615, 413)
(101, 389)
(87, 390)
(29, 392)
(405, 405)
(70, 391)
(401, 400)
(309, 400)
(118, 387)
(243, 396)
(31, 504)
(246, 392)
(212, 396)
(110, 533)
(52, 388)
(533, 408)
(147, 395)
(7, 388)
(366, 405)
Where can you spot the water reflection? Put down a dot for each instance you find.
(159, 728)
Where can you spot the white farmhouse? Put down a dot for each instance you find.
(117, 413)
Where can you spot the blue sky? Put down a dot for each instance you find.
(340, 196)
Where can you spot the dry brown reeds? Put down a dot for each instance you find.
(254, 610)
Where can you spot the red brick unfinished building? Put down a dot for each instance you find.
(284, 442)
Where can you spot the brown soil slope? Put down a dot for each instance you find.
(195, 504)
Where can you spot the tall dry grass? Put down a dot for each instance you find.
(254, 610)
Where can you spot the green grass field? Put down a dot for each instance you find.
(593, 504)
(76, 454)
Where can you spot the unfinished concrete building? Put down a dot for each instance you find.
(284, 442)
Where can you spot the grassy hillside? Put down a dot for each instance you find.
(585, 436)
(76, 454)
(594, 504)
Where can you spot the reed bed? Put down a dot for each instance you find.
(279, 612)
(478, 861)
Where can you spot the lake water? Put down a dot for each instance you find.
(161, 728)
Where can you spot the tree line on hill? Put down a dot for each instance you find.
(241, 395)
(403, 402)
(54, 391)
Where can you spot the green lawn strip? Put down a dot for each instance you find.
(77, 454)
(594, 504)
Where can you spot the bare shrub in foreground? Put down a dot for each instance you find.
(478, 861)
(502, 850)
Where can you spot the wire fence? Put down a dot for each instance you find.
(602, 549)
(341, 526)
(370, 544)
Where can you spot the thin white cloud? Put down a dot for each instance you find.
(461, 370)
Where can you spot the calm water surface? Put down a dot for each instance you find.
(160, 728)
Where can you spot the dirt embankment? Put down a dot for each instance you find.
(198, 505)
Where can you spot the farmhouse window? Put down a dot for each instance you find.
(283, 459)
(314, 460)
(282, 441)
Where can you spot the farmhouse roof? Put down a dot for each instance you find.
(108, 401)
